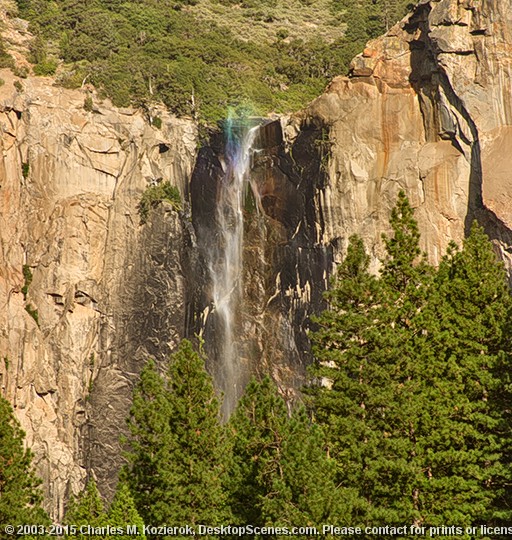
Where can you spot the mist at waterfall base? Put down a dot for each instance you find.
(225, 262)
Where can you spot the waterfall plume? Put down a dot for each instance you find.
(226, 264)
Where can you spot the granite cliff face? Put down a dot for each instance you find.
(427, 108)
(107, 290)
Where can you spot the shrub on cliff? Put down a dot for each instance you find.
(6, 60)
(154, 195)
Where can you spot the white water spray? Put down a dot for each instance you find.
(226, 268)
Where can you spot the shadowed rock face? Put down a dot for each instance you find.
(285, 268)
(149, 318)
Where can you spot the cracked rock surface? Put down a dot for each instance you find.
(426, 108)
(70, 182)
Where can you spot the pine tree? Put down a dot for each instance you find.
(178, 456)
(281, 475)
(151, 443)
(383, 14)
(468, 334)
(362, 398)
(122, 513)
(86, 510)
(20, 498)
(365, 354)
(408, 363)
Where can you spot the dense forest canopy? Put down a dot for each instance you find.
(202, 57)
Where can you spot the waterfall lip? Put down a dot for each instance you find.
(245, 122)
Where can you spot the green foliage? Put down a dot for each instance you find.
(20, 500)
(27, 275)
(471, 328)
(6, 60)
(154, 195)
(21, 71)
(86, 509)
(140, 51)
(88, 104)
(46, 68)
(38, 55)
(25, 166)
(32, 311)
(406, 366)
(281, 473)
(122, 512)
(367, 19)
(37, 50)
(18, 85)
(178, 455)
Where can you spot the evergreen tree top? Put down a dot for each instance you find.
(404, 264)
(20, 497)
(178, 453)
(123, 512)
(87, 508)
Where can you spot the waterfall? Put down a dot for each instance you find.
(226, 266)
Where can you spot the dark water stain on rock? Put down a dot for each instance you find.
(286, 267)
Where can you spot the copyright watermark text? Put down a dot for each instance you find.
(324, 531)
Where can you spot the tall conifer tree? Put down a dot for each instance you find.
(20, 498)
(409, 362)
(468, 335)
(86, 510)
(122, 513)
(178, 457)
(282, 475)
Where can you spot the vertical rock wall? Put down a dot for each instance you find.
(105, 291)
(426, 109)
